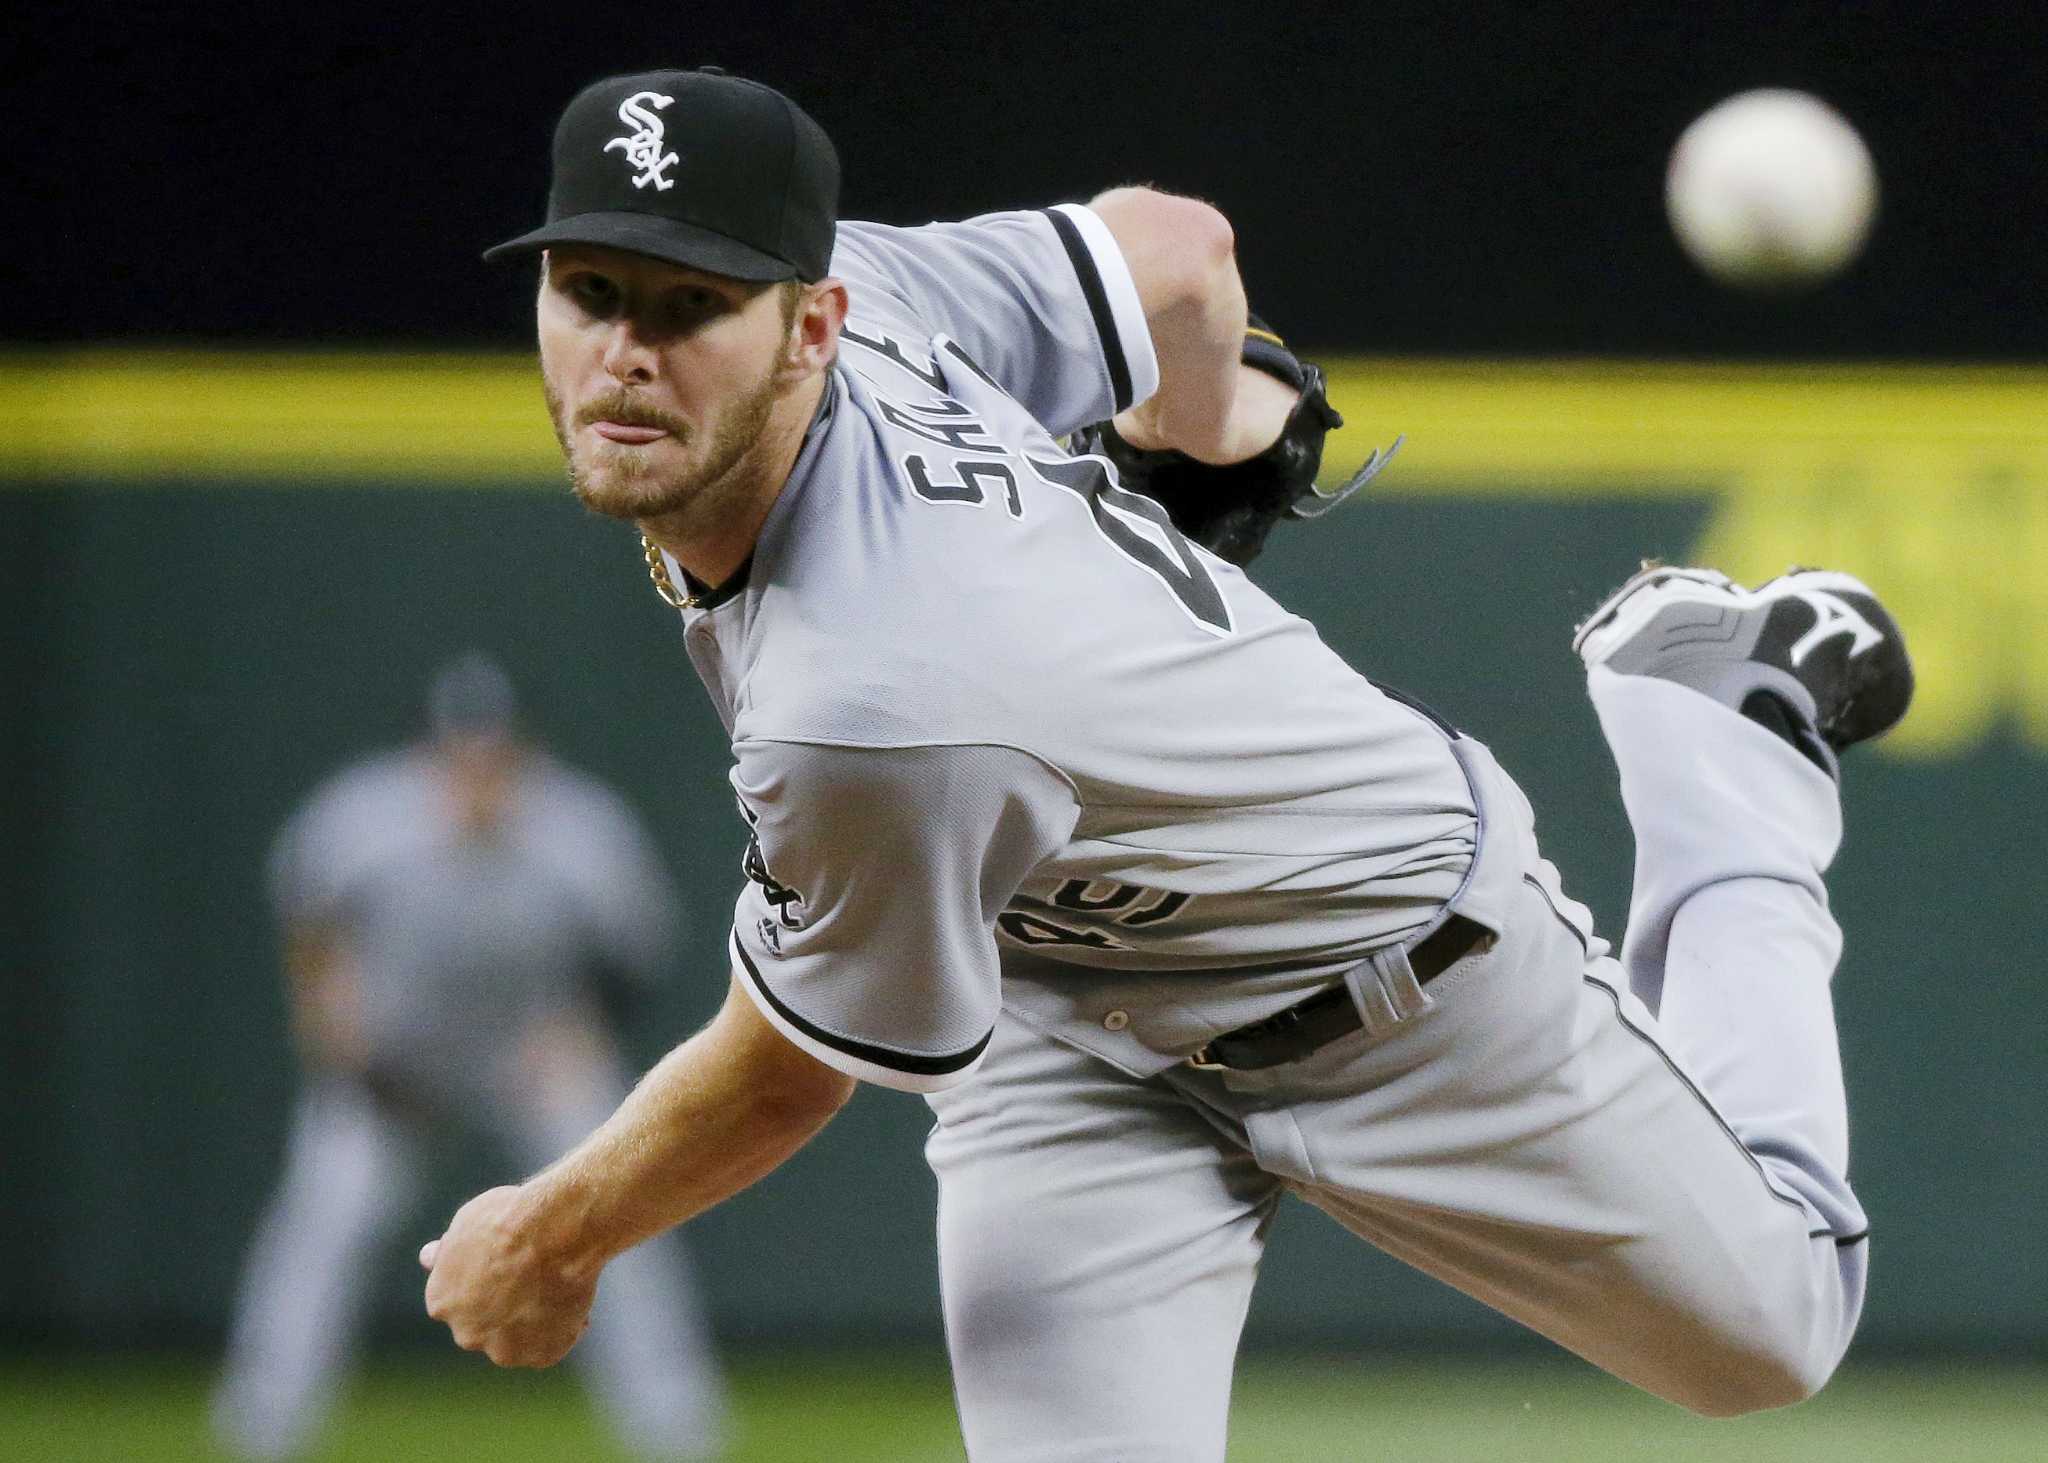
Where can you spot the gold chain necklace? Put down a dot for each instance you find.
(657, 570)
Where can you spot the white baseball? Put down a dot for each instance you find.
(1771, 187)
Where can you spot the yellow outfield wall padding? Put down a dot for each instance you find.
(285, 419)
(1539, 427)
(1544, 425)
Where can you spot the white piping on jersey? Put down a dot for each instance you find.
(1129, 313)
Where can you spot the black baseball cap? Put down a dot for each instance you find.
(694, 167)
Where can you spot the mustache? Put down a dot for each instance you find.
(624, 408)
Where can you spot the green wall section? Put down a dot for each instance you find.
(183, 662)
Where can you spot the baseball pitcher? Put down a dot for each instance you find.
(1059, 820)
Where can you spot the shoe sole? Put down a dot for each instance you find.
(1623, 614)
(1629, 608)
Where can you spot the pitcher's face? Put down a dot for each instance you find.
(659, 378)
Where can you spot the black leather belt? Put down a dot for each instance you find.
(1327, 1015)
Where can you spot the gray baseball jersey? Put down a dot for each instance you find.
(458, 942)
(1004, 736)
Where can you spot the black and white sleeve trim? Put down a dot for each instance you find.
(904, 1071)
(1113, 300)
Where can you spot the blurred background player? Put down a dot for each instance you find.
(455, 917)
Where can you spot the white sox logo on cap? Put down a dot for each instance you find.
(758, 201)
(643, 147)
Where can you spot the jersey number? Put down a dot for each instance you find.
(1172, 562)
(1119, 903)
(1169, 558)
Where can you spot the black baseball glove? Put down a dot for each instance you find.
(1231, 509)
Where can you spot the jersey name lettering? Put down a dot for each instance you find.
(972, 475)
(944, 421)
(890, 348)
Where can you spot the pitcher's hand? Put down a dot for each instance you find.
(501, 1289)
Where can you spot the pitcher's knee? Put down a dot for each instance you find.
(1756, 1381)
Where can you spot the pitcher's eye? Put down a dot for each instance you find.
(596, 294)
(697, 302)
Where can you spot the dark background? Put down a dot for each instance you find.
(1406, 178)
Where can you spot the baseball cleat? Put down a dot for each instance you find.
(1811, 654)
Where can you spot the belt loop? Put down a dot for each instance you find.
(1369, 995)
(1384, 988)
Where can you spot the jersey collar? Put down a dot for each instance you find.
(710, 597)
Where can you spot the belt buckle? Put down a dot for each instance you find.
(1199, 1060)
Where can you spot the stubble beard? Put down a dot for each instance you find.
(624, 482)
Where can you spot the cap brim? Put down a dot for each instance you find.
(657, 237)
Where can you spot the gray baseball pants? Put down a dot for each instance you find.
(352, 1177)
(1664, 1194)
